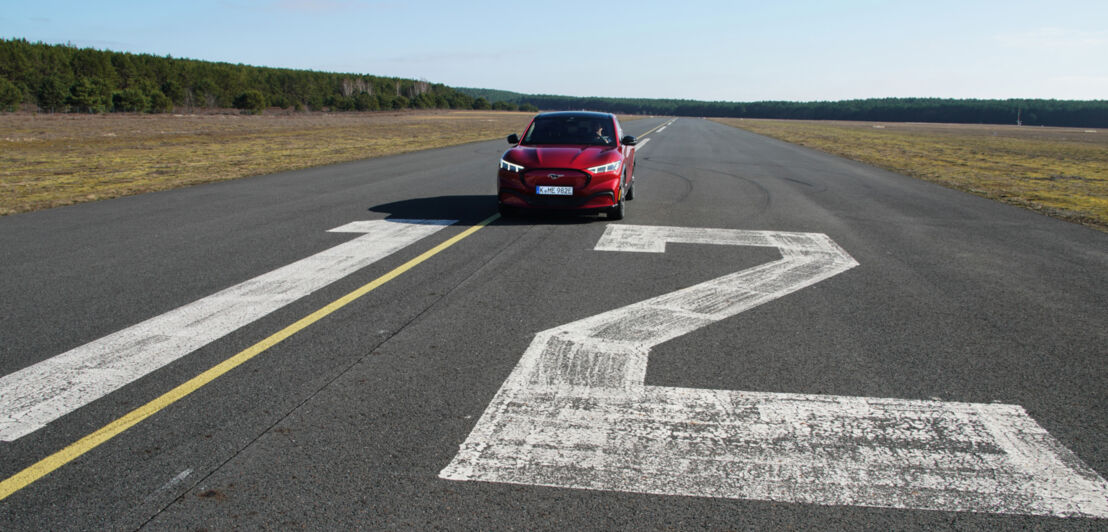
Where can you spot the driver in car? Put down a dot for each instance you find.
(602, 136)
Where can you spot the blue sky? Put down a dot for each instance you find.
(706, 50)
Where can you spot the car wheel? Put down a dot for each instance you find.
(631, 191)
(616, 211)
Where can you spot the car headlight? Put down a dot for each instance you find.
(511, 167)
(605, 168)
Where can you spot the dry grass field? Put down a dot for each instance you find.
(48, 160)
(1062, 172)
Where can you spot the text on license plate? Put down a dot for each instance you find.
(554, 191)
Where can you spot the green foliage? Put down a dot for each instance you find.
(88, 95)
(160, 102)
(423, 101)
(10, 95)
(63, 77)
(51, 94)
(130, 100)
(279, 100)
(200, 84)
(365, 102)
(494, 95)
(1070, 113)
(504, 106)
(173, 90)
(341, 103)
(252, 101)
(461, 100)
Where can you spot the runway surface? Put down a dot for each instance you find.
(772, 338)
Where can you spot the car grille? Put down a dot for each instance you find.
(556, 177)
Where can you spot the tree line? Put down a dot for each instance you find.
(64, 78)
(1067, 113)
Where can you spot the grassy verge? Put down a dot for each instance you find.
(52, 160)
(1062, 172)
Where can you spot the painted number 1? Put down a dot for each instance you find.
(575, 413)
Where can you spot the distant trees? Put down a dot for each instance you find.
(1070, 113)
(133, 100)
(366, 102)
(61, 78)
(251, 101)
(51, 94)
(10, 95)
(87, 95)
(160, 102)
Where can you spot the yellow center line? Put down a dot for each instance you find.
(655, 127)
(74, 450)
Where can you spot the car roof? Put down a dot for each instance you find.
(588, 114)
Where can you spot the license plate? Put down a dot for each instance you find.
(554, 191)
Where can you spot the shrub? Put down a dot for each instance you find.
(87, 95)
(279, 100)
(10, 95)
(365, 102)
(461, 101)
(52, 94)
(173, 91)
(160, 102)
(481, 104)
(251, 101)
(341, 103)
(130, 100)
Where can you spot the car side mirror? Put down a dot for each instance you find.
(513, 139)
(629, 140)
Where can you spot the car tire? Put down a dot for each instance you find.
(616, 211)
(631, 191)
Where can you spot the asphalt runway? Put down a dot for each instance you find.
(830, 346)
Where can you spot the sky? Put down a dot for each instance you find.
(802, 50)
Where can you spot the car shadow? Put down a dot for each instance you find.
(471, 210)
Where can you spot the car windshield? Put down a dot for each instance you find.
(570, 130)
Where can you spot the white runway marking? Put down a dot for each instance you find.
(575, 413)
(36, 395)
(172, 482)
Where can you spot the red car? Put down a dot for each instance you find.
(573, 160)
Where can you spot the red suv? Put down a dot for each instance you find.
(573, 160)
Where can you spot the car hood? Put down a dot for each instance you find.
(579, 157)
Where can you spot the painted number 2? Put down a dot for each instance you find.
(575, 413)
